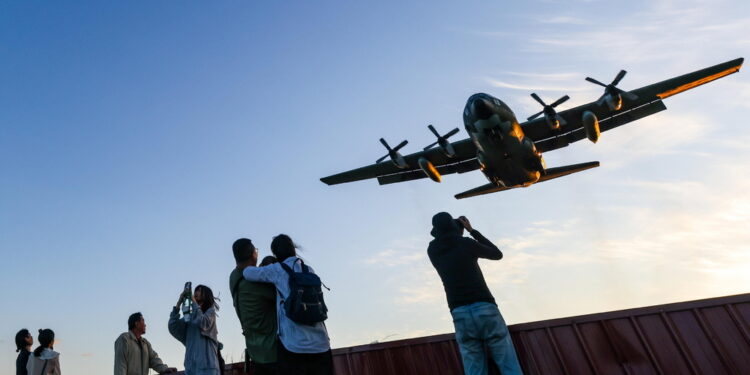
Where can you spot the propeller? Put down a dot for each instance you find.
(392, 152)
(613, 91)
(442, 140)
(553, 119)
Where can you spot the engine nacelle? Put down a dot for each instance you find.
(591, 126)
(552, 121)
(429, 169)
(614, 101)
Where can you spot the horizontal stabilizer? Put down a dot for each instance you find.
(481, 190)
(549, 174)
(565, 170)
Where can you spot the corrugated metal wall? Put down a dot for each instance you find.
(698, 337)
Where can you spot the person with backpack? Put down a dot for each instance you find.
(24, 341)
(44, 360)
(198, 332)
(305, 348)
(479, 326)
(255, 304)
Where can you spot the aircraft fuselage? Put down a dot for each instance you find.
(507, 157)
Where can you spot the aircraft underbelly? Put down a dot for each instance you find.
(504, 162)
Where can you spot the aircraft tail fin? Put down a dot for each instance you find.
(549, 174)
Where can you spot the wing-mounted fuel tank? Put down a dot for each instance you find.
(591, 126)
(429, 169)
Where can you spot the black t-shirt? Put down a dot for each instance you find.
(21, 361)
(456, 260)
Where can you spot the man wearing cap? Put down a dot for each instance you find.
(476, 318)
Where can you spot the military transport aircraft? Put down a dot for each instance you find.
(509, 153)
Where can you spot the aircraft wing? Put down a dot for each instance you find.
(386, 172)
(648, 101)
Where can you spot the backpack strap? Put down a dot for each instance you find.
(44, 367)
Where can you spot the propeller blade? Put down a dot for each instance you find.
(559, 101)
(432, 129)
(534, 116)
(381, 159)
(538, 99)
(595, 81)
(619, 77)
(451, 133)
(402, 144)
(430, 146)
(385, 144)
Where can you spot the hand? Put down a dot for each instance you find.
(465, 222)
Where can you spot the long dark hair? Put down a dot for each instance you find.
(209, 300)
(46, 338)
(283, 247)
(21, 339)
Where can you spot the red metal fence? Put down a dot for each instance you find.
(703, 337)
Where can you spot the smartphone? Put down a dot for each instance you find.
(188, 289)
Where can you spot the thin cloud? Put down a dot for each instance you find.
(532, 87)
(548, 76)
(561, 20)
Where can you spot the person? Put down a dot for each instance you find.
(476, 317)
(44, 360)
(24, 341)
(303, 349)
(255, 304)
(199, 334)
(133, 353)
(270, 259)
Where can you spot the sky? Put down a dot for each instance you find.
(139, 139)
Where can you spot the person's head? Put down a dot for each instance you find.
(270, 259)
(245, 252)
(46, 339)
(137, 324)
(283, 247)
(23, 339)
(444, 224)
(205, 297)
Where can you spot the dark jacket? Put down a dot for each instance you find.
(255, 304)
(21, 361)
(456, 260)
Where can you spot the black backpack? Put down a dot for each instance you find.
(305, 303)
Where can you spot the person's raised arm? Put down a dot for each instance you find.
(266, 274)
(482, 247)
(176, 326)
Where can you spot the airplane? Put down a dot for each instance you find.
(509, 153)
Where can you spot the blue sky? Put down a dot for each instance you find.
(139, 140)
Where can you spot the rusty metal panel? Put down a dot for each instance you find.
(709, 336)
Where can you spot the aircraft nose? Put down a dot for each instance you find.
(481, 108)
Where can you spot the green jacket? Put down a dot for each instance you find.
(255, 304)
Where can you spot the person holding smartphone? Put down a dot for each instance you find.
(476, 318)
(198, 332)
